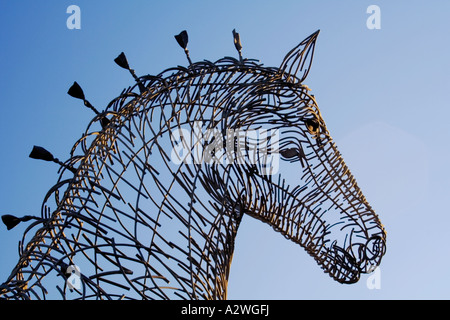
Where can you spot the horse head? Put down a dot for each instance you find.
(287, 171)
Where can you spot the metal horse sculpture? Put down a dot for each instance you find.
(149, 203)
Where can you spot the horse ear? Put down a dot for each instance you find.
(296, 64)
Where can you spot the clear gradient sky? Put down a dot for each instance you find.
(384, 94)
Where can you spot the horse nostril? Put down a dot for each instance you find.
(371, 253)
(367, 256)
(374, 249)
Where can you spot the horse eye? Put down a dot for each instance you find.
(312, 125)
(289, 153)
(294, 154)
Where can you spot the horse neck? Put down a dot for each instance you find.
(210, 221)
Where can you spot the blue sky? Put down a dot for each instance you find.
(383, 94)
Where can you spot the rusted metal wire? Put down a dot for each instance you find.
(149, 203)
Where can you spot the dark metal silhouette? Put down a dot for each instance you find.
(149, 203)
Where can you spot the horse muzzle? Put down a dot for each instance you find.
(347, 265)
